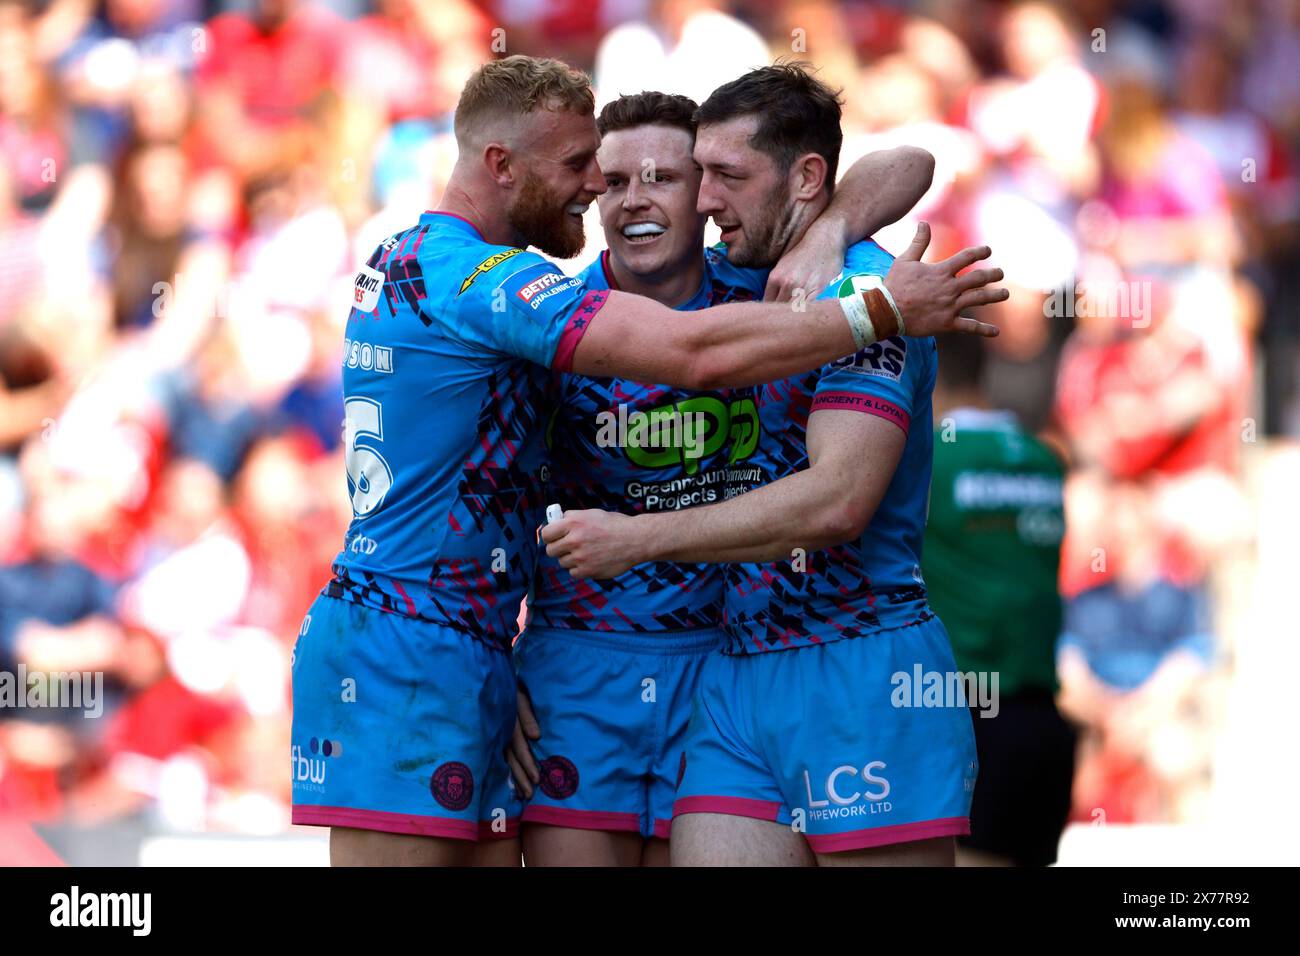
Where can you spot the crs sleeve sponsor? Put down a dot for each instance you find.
(882, 359)
(544, 286)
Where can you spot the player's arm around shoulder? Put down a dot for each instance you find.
(727, 345)
(750, 343)
(876, 191)
(516, 302)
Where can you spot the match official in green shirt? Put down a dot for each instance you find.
(991, 558)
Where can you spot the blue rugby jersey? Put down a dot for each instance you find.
(593, 466)
(873, 582)
(445, 388)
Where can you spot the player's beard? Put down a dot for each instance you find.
(766, 235)
(539, 216)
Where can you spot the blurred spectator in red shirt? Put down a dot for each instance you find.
(263, 81)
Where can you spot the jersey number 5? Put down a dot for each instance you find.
(369, 476)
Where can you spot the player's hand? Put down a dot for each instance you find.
(931, 295)
(809, 265)
(519, 755)
(592, 544)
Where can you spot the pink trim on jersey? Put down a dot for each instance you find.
(869, 404)
(315, 816)
(731, 806)
(439, 212)
(884, 836)
(581, 819)
(577, 327)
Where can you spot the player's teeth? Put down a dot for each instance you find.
(576, 209)
(643, 229)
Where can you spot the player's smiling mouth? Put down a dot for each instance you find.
(577, 209)
(641, 233)
(727, 232)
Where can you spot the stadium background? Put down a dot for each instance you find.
(184, 198)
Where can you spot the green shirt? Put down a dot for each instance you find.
(993, 547)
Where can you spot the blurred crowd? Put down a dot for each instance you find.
(187, 186)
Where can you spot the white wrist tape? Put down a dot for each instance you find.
(879, 282)
(855, 310)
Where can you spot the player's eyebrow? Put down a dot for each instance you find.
(579, 155)
(721, 166)
(673, 168)
(612, 169)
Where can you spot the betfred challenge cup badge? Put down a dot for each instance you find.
(452, 785)
(559, 777)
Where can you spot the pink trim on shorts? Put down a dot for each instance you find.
(868, 404)
(663, 829)
(731, 806)
(485, 831)
(883, 836)
(317, 816)
(581, 819)
(576, 328)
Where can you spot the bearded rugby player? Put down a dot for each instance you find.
(404, 691)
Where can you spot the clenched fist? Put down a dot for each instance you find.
(594, 544)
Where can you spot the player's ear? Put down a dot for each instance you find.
(808, 176)
(499, 163)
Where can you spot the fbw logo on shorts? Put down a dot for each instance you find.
(841, 801)
(309, 770)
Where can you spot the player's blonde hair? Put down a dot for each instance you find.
(517, 85)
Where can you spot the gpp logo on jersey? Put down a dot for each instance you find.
(883, 359)
(366, 289)
(487, 265)
(681, 433)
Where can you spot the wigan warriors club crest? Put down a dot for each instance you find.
(452, 785)
(559, 777)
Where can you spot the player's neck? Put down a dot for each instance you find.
(802, 216)
(671, 286)
(491, 222)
